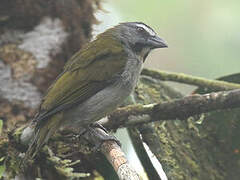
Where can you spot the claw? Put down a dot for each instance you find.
(98, 125)
(100, 137)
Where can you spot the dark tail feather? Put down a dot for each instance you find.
(41, 136)
(34, 147)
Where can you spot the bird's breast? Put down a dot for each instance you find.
(131, 73)
(106, 100)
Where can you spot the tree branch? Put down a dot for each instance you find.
(117, 158)
(192, 80)
(136, 137)
(175, 109)
(137, 142)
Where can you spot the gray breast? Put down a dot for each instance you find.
(106, 100)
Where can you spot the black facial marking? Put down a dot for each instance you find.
(145, 56)
(138, 47)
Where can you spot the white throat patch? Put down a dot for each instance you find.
(150, 31)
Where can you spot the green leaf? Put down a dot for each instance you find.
(2, 170)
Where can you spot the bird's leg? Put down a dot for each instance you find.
(99, 135)
(98, 125)
(82, 132)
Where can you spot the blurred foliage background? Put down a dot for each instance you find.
(203, 36)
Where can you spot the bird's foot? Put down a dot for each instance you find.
(98, 125)
(100, 136)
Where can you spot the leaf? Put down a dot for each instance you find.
(2, 170)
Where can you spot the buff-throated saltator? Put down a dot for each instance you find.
(94, 81)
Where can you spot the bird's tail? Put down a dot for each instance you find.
(42, 133)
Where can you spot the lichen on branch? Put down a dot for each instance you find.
(174, 109)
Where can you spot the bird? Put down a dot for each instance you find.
(94, 81)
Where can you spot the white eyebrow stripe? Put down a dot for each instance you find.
(150, 31)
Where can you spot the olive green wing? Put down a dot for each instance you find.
(84, 75)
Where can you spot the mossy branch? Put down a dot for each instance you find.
(175, 109)
(217, 85)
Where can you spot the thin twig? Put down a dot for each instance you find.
(191, 80)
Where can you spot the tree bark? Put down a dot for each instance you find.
(185, 149)
(36, 39)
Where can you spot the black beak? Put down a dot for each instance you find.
(156, 42)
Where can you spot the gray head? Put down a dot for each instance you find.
(139, 37)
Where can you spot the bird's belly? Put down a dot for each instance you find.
(99, 105)
(106, 100)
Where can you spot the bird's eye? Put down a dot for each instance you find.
(140, 29)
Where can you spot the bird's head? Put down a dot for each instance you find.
(139, 37)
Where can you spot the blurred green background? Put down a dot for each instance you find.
(203, 36)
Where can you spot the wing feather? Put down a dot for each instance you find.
(83, 76)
